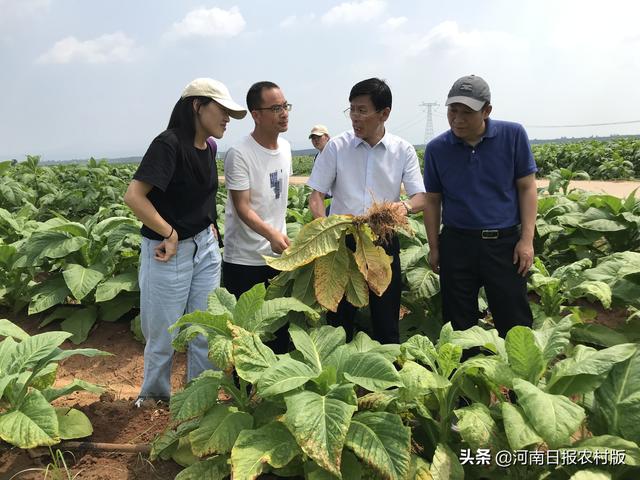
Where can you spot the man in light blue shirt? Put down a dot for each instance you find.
(362, 166)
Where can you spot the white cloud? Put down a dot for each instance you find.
(447, 35)
(213, 22)
(296, 21)
(110, 48)
(394, 23)
(354, 12)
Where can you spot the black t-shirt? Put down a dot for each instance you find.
(183, 193)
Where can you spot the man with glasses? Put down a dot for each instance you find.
(256, 172)
(359, 166)
(482, 173)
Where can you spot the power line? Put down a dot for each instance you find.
(584, 125)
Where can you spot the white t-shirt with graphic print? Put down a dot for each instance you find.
(265, 173)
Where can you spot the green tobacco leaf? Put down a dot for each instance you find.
(449, 356)
(251, 357)
(79, 324)
(81, 280)
(303, 284)
(478, 337)
(611, 443)
(33, 349)
(272, 444)
(74, 228)
(47, 294)
(381, 441)
(217, 324)
(249, 303)
(420, 348)
(286, 375)
(305, 345)
(221, 302)
(182, 454)
(10, 329)
(351, 469)
(371, 371)
(592, 290)
(330, 277)
(35, 424)
(601, 335)
(214, 468)
(445, 464)
(73, 423)
(319, 425)
(423, 281)
(110, 288)
(198, 397)
(85, 352)
(554, 417)
(45, 377)
(59, 313)
(419, 468)
(525, 357)
(477, 427)
(316, 239)
(107, 226)
(115, 309)
(77, 385)
(218, 430)
(587, 368)
(326, 340)
(554, 340)
(272, 315)
(373, 262)
(418, 381)
(520, 433)
(618, 399)
(50, 244)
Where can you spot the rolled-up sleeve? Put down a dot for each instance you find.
(411, 176)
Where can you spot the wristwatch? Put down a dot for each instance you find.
(407, 205)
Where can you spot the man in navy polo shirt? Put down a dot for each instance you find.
(480, 180)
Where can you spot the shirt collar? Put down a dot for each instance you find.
(490, 131)
(384, 141)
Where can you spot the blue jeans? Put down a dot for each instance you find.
(168, 290)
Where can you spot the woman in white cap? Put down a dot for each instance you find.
(173, 193)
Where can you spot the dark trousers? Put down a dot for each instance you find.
(385, 309)
(466, 264)
(238, 279)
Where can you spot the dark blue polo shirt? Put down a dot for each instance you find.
(478, 184)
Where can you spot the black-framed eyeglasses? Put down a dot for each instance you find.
(277, 109)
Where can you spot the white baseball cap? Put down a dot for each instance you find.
(319, 130)
(208, 87)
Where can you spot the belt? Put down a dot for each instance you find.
(487, 234)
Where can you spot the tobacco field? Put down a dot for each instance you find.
(330, 408)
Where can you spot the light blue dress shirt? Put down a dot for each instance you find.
(358, 174)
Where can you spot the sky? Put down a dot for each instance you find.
(83, 78)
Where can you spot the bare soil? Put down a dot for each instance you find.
(114, 418)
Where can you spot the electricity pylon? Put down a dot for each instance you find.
(428, 131)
